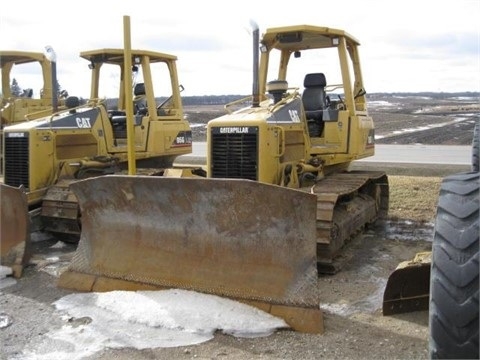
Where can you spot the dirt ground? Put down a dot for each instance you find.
(351, 300)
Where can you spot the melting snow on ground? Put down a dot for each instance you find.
(5, 279)
(368, 304)
(145, 319)
(422, 128)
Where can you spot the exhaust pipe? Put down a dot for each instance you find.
(256, 40)
(52, 57)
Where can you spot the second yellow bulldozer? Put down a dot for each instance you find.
(23, 104)
(278, 202)
(45, 155)
(17, 104)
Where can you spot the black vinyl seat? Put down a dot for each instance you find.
(315, 101)
(118, 118)
(139, 100)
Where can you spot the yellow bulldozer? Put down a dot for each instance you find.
(44, 156)
(23, 104)
(277, 204)
(17, 104)
(275, 208)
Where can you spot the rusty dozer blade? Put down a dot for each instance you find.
(408, 287)
(14, 229)
(235, 238)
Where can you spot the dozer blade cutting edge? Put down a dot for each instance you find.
(14, 229)
(236, 238)
(408, 287)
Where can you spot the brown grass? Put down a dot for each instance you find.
(413, 198)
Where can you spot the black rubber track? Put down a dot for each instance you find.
(454, 326)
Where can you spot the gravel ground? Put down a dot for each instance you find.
(351, 301)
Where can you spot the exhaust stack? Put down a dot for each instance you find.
(256, 40)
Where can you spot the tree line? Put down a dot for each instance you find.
(17, 91)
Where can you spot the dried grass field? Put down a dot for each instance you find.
(413, 198)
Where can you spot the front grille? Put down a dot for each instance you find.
(234, 155)
(16, 161)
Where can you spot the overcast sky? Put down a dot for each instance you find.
(406, 45)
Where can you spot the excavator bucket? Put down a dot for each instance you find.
(235, 238)
(14, 229)
(408, 287)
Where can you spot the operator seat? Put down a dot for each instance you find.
(139, 99)
(314, 102)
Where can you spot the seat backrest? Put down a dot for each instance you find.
(139, 101)
(139, 89)
(314, 97)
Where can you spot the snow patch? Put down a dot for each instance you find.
(145, 319)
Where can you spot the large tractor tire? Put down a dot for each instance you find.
(476, 148)
(454, 281)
